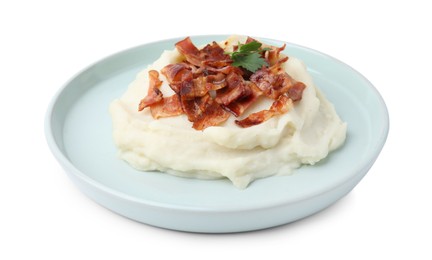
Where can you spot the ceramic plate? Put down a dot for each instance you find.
(79, 133)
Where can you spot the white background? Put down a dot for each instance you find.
(44, 43)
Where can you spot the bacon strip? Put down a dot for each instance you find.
(215, 82)
(213, 115)
(236, 89)
(280, 106)
(272, 56)
(238, 107)
(167, 107)
(204, 112)
(193, 108)
(154, 94)
(212, 56)
(177, 75)
(176, 72)
(273, 81)
(208, 88)
(296, 91)
(189, 51)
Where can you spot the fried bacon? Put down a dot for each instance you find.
(238, 107)
(296, 91)
(212, 115)
(154, 94)
(279, 107)
(177, 75)
(212, 56)
(272, 56)
(216, 81)
(193, 108)
(189, 51)
(208, 89)
(236, 88)
(273, 81)
(167, 107)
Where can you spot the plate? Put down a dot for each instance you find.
(79, 133)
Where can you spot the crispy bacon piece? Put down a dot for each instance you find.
(296, 91)
(208, 89)
(216, 81)
(214, 56)
(238, 107)
(280, 106)
(203, 84)
(193, 108)
(213, 115)
(177, 75)
(204, 112)
(167, 107)
(182, 80)
(189, 51)
(272, 56)
(198, 87)
(154, 94)
(263, 79)
(273, 81)
(236, 88)
(176, 72)
(250, 39)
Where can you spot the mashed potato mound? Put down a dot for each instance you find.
(303, 135)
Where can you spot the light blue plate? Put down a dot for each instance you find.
(78, 131)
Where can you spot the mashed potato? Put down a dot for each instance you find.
(304, 135)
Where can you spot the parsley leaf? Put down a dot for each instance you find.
(249, 47)
(251, 62)
(248, 56)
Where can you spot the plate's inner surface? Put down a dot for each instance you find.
(86, 135)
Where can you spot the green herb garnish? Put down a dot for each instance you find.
(248, 56)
